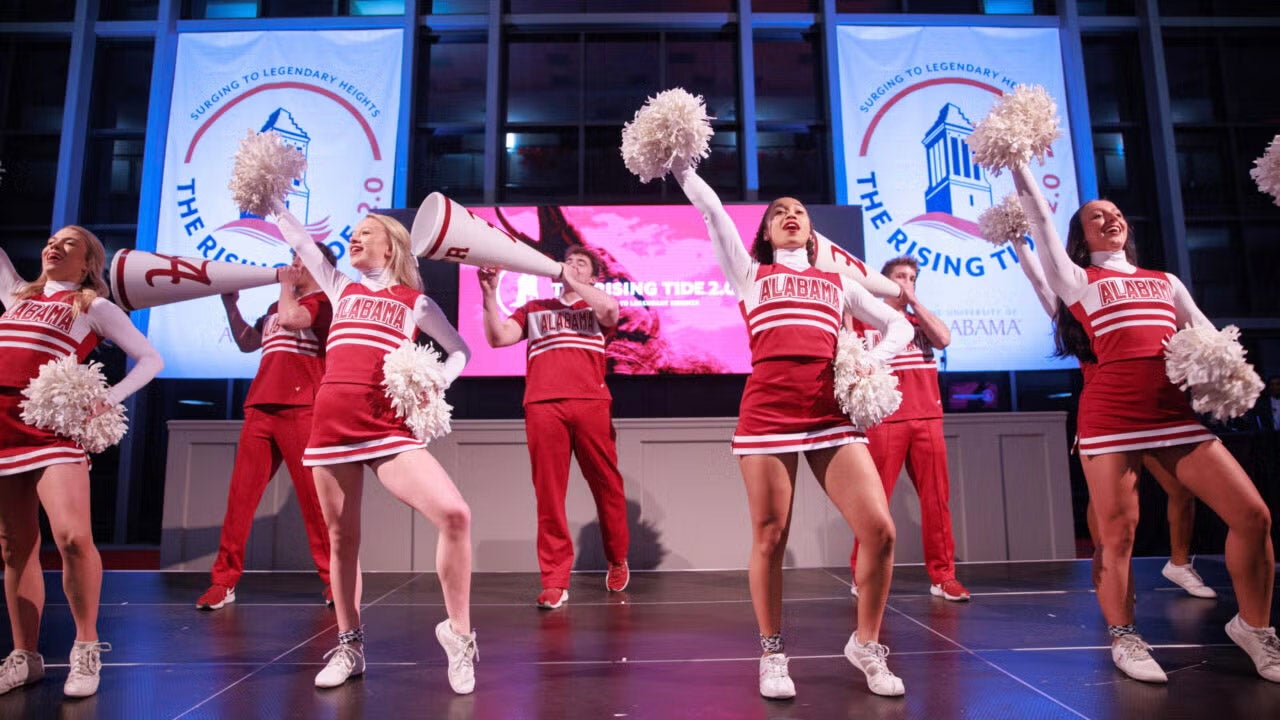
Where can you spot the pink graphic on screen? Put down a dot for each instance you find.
(676, 312)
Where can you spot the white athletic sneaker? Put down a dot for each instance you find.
(86, 665)
(22, 667)
(345, 662)
(1260, 643)
(870, 659)
(1133, 656)
(463, 655)
(1186, 577)
(775, 681)
(853, 589)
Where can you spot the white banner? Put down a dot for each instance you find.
(910, 96)
(333, 94)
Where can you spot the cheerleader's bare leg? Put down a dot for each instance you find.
(418, 480)
(64, 494)
(20, 546)
(1113, 493)
(770, 482)
(340, 488)
(1095, 563)
(1181, 511)
(1210, 472)
(849, 477)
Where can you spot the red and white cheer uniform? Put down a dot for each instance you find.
(39, 329)
(1127, 312)
(793, 313)
(354, 420)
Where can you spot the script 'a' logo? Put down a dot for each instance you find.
(180, 269)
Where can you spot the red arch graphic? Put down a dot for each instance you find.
(368, 131)
(866, 139)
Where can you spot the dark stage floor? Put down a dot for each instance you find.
(675, 645)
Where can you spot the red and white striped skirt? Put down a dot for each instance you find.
(355, 423)
(1131, 405)
(24, 447)
(790, 406)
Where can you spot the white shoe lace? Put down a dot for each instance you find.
(879, 653)
(1134, 649)
(344, 657)
(11, 668)
(468, 655)
(1270, 646)
(88, 661)
(776, 668)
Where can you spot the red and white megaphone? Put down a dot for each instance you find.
(142, 279)
(445, 230)
(833, 258)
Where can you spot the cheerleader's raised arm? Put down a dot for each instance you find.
(10, 281)
(732, 255)
(1031, 267)
(329, 278)
(1067, 280)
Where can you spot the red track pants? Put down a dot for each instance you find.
(584, 428)
(919, 443)
(267, 437)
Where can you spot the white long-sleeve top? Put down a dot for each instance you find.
(743, 273)
(70, 333)
(427, 315)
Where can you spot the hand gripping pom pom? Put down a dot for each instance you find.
(1211, 364)
(1006, 222)
(414, 380)
(866, 399)
(1266, 171)
(60, 398)
(265, 169)
(1021, 125)
(673, 126)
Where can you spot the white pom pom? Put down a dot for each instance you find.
(1266, 171)
(1211, 364)
(265, 169)
(60, 398)
(672, 126)
(1021, 125)
(866, 399)
(1006, 222)
(415, 383)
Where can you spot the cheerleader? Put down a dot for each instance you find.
(1181, 504)
(64, 312)
(1123, 314)
(793, 313)
(355, 425)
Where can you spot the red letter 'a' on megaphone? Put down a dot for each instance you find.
(142, 279)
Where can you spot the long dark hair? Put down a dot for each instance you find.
(762, 251)
(1069, 336)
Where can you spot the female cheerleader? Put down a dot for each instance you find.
(64, 312)
(355, 425)
(793, 314)
(1122, 314)
(1181, 506)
